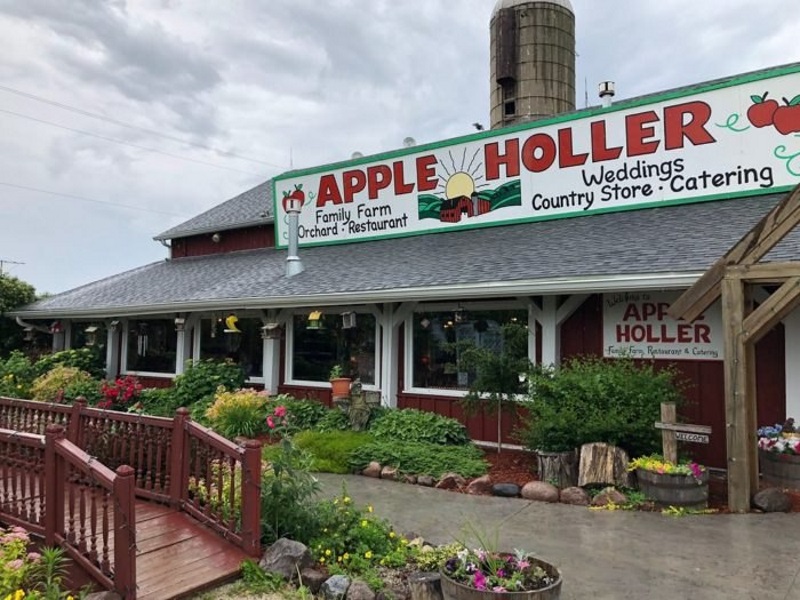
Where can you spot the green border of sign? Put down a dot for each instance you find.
(683, 92)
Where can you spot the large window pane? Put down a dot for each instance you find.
(152, 346)
(317, 350)
(245, 349)
(441, 337)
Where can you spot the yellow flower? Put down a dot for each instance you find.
(364, 523)
(346, 556)
(339, 559)
(328, 552)
(369, 508)
(368, 554)
(346, 500)
(322, 560)
(392, 534)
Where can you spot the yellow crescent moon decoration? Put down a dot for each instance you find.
(230, 324)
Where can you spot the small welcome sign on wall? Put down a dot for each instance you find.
(636, 324)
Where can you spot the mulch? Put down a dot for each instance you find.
(519, 467)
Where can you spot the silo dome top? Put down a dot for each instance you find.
(501, 4)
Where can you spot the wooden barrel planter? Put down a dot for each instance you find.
(453, 590)
(780, 470)
(667, 489)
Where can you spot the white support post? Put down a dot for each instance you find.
(551, 332)
(182, 345)
(791, 326)
(534, 316)
(390, 322)
(66, 342)
(272, 352)
(112, 349)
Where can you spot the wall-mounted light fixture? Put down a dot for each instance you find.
(216, 238)
(28, 334)
(180, 324)
(271, 331)
(460, 315)
(314, 320)
(56, 327)
(348, 320)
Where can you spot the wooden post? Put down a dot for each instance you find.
(736, 401)
(53, 485)
(251, 498)
(74, 425)
(668, 439)
(178, 488)
(124, 533)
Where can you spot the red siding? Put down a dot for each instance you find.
(155, 382)
(321, 395)
(246, 238)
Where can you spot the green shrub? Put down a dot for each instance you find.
(333, 420)
(331, 450)
(65, 384)
(411, 425)
(201, 380)
(86, 359)
(301, 415)
(160, 402)
(16, 376)
(239, 413)
(420, 458)
(595, 400)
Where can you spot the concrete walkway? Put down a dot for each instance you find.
(605, 555)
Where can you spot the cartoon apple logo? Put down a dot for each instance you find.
(296, 194)
(762, 112)
(787, 118)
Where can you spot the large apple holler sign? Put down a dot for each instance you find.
(723, 141)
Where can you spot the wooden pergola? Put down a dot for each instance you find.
(732, 278)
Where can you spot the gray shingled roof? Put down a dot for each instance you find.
(643, 248)
(253, 207)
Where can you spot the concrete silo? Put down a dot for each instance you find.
(532, 49)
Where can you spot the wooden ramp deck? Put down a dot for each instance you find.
(177, 556)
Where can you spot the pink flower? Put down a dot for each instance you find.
(15, 565)
(270, 422)
(479, 581)
(498, 588)
(280, 411)
(34, 556)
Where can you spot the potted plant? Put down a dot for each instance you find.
(483, 574)
(779, 454)
(671, 484)
(340, 384)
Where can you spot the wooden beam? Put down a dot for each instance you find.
(776, 272)
(688, 428)
(748, 250)
(758, 323)
(736, 420)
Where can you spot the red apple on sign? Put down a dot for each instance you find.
(787, 118)
(762, 112)
(296, 194)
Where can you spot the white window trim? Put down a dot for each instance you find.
(408, 358)
(289, 362)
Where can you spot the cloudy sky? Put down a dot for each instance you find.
(120, 119)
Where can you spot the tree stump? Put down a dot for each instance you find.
(558, 468)
(425, 586)
(605, 465)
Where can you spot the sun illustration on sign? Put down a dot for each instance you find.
(463, 193)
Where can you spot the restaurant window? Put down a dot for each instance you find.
(152, 346)
(441, 338)
(317, 348)
(245, 348)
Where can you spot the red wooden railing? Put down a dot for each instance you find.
(172, 461)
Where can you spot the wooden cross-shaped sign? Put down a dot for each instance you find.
(672, 432)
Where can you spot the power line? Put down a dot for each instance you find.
(100, 117)
(85, 199)
(4, 261)
(124, 143)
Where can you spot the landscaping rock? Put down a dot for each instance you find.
(313, 579)
(451, 481)
(772, 500)
(609, 495)
(412, 479)
(359, 590)
(285, 557)
(505, 490)
(541, 491)
(373, 469)
(389, 473)
(575, 496)
(426, 480)
(481, 485)
(335, 587)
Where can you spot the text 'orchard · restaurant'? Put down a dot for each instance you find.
(581, 229)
